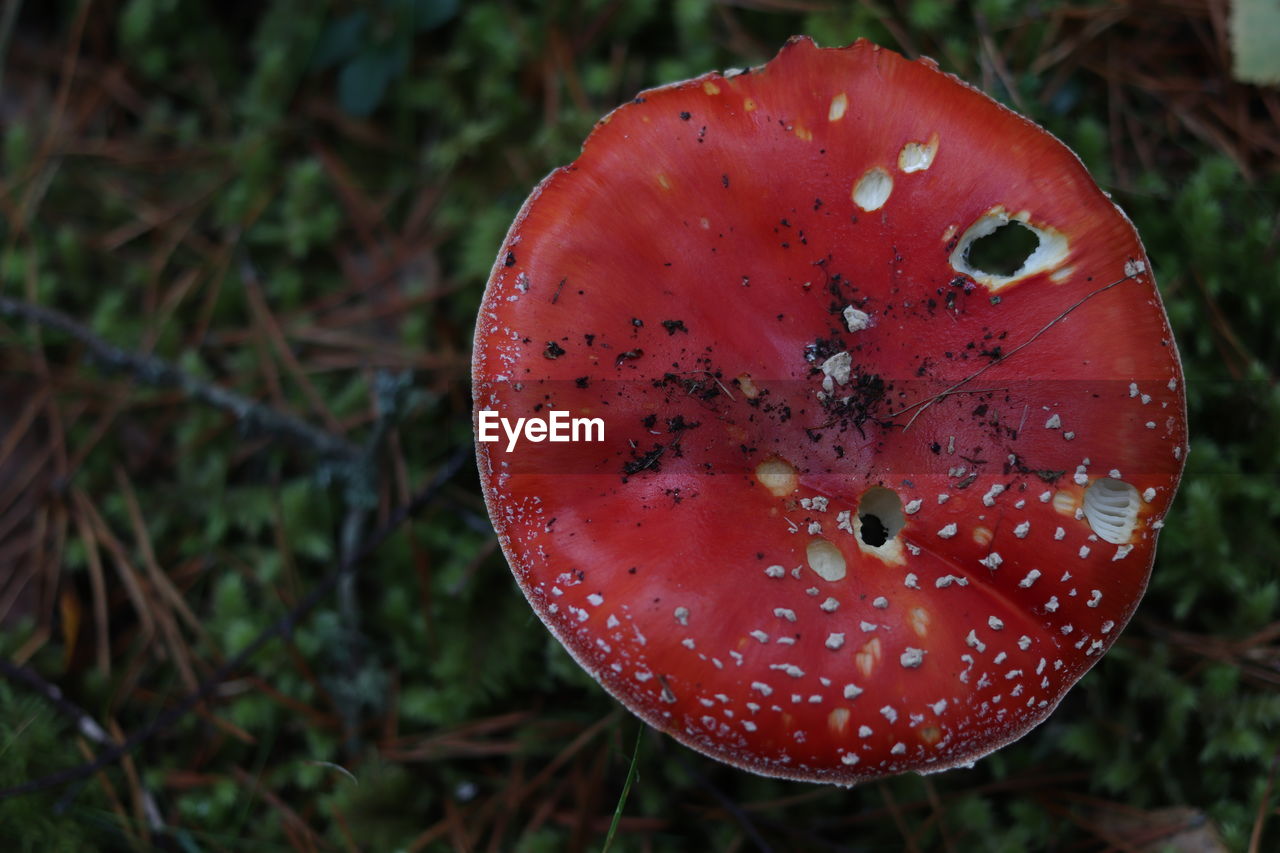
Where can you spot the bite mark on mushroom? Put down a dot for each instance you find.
(778, 476)
(918, 156)
(839, 104)
(872, 189)
(1111, 508)
(826, 560)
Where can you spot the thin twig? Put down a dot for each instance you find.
(283, 628)
(86, 725)
(921, 405)
(161, 374)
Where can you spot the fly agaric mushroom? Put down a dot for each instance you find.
(863, 505)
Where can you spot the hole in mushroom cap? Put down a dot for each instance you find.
(880, 512)
(1048, 252)
(1004, 251)
(872, 189)
(826, 560)
(1111, 507)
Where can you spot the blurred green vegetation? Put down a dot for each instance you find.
(300, 199)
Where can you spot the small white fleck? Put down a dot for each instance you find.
(1059, 534)
(1069, 435)
(1024, 642)
(838, 368)
(775, 572)
(790, 669)
(849, 758)
(911, 581)
(856, 320)
(1054, 422)
(880, 603)
(994, 623)
(1001, 658)
(948, 531)
(939, 706)
(1080, 476)
(1173, 385)
(973, 642)
(682, 615)
(1084, 551)
(817, 503)
(1122, 551)
(889, 714)
(992, 560)
(899, 749)
(1094, 597)
(835, 641)
(913, 507)
(595, 599)
(1145, 398)
(943, 497)
(1133, 389)
(867, 627)
(1045, 496)
(1107, 626)
(1149, 495)
(784, 613)
(829, 605)
(1052, 604)
(748, 725)
(760, 635)
(687, 642)
(1022, 530)
(852, 691)
(865, 731)
(989, 499)
(762, 688)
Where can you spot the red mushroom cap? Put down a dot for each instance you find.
(860, 507)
